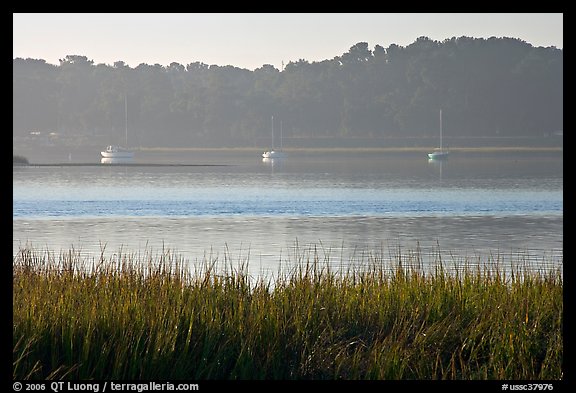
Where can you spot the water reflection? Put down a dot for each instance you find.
(267, 241)
(345, 204)
(438, 163)
(274, 163)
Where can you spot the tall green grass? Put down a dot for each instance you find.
(134, 316)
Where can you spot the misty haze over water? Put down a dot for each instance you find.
(473, 207)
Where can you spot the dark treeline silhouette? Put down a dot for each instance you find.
(485, 88)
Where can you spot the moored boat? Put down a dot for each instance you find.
(114, 151)
(272, 154)
(439, 153)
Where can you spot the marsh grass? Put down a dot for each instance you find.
(150, 316)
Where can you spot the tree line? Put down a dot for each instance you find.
(485, 87)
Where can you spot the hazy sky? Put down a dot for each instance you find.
(251, 40)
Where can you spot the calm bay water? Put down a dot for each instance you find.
(345, 206)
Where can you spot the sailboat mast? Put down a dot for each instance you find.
(126, 117)
(440, 129)
(272, 148)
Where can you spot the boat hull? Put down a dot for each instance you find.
(440, 155)
(124, 154)
(104, 160)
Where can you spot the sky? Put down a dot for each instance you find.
(250, 40)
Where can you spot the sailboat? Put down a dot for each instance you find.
(115, 152)
(273, 153)
(439, 153)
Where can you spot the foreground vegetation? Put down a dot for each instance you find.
(133, 316)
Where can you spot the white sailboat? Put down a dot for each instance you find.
(439, 153)
(115, 152)
(271, 154)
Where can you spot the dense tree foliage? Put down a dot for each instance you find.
(485, 87)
